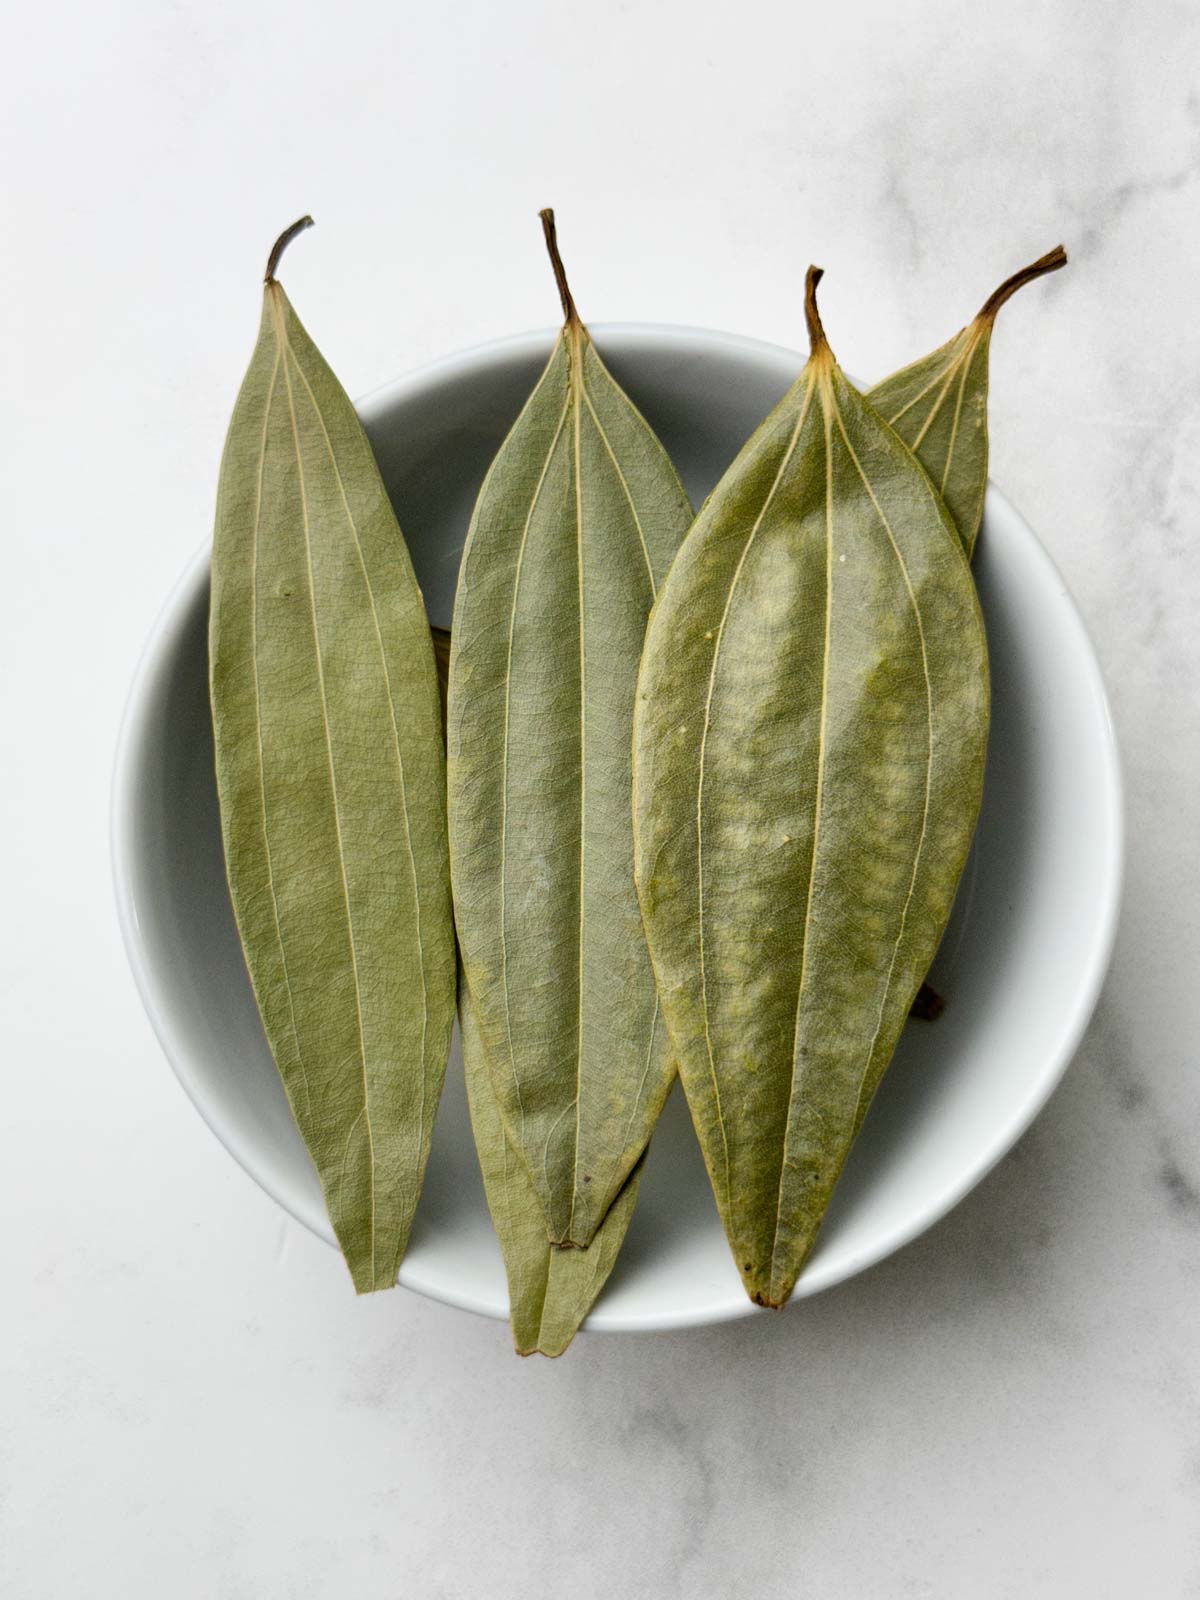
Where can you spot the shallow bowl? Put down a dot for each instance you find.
(1020, 966)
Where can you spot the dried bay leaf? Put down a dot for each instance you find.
(576, 523)
(331, 776)
(550, 1290)
(938, 405)
(809, 746)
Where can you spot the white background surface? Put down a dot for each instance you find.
(194, 1405)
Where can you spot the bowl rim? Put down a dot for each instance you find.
(153, 663)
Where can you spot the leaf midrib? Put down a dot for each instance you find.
(575, 391)
(637, 522)
(818, 799)
(281, 335)
(920, 850)
(830, 402)
(576, 343)
(512, 620)
(258, 729)
(391, 704)
(712, 676)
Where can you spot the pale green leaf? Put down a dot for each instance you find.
(330, 772)
(576, 523)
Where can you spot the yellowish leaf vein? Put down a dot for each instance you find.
(712, 678)
(826, 404)
(258, 733)
(576, 380)
(916, 610)
(281, 334)
(391, 702)
(512, 619)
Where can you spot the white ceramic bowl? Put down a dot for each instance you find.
(1021, 964)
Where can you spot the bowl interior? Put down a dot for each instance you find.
(1020, 965)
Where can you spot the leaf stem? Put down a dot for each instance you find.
(1050, 262)
(816, 333)
(560, 274)
(281, 244)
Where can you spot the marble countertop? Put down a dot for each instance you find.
(194, 1405)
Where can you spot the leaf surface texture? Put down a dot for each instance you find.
(808, 752)
(331, 777)
(575, 526)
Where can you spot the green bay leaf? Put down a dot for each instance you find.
(576, 523)
(550, 1290)
(809, 747)
(938, 405)
(331, 776)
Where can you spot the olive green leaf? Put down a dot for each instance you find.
(577, 520)
(550, 1290)
(938, 405)
(331, 776)
(809, 746)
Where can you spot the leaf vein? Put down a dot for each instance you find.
(826, 402)
(920, 850)
(258, 736)
(712, 678)
(962, 384)
(512, 620)
(576, 379)
(391, 701)
(637, 521)
(281, 334)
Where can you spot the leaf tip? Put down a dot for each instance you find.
(551, 1353)
(281, 244)
(766, 1302)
